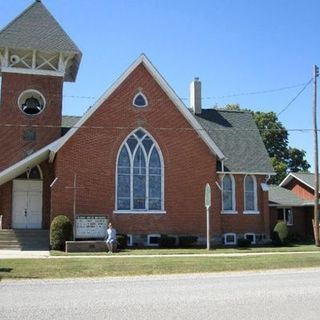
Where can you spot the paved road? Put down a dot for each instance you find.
(293, 294)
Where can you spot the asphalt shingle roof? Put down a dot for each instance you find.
(69, 121)
(284, 197)
(238, 137)
(307, 178)
(35, 28)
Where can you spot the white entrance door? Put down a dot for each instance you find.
(27, 204)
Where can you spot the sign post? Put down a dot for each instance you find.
(207, 203)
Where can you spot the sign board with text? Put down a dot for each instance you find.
(91, 227)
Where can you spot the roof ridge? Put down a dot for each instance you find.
(224, 110)
(19, 16)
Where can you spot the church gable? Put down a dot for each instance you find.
(136, 86)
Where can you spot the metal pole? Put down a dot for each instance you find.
(316, 161)
(208, 228)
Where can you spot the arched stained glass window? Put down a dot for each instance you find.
(228, 198)
(250, 201)
(139, 174)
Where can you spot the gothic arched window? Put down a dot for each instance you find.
(139, 174)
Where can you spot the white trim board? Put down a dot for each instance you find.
(29, 162)
(288, 179)
(165, 87)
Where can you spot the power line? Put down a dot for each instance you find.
(295, 98)
(8, 125)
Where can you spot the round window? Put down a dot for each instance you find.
(31, 102)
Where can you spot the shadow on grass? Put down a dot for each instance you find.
(6, 270)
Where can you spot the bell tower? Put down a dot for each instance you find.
(36, 57)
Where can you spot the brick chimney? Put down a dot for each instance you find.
(195, 96)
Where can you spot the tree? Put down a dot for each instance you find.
(275, 136)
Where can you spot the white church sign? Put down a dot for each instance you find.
(91, 227)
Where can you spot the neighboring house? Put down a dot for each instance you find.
(293, 202)
(138, 156)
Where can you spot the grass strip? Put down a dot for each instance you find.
(95, 267)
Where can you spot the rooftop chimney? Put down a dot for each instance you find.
(195, 96)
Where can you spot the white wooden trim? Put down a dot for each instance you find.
(251, 234)
(289, 177)
(165, 87)
(155, 236)
(230, 243)
(229, 212)
(33, 72)
(139, 211)
(20, 167)
(245, 173)
(144, 97)
(253, 212)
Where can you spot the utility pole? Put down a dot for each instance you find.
(316, 164)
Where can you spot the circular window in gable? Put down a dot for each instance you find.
(31, 102)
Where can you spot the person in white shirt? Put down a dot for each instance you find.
(111, 240)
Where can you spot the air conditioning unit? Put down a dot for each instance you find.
(14, 59)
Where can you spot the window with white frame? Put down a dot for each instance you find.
(230, 239)
(285, 215)
(251, 237)
(140, 174)
(153, 240)
(140, 100)
(250, 193)
(228, 193)
(129, 240)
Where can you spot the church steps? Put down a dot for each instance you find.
(24, 239)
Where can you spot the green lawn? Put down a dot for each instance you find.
(291, 248)
(100, 267)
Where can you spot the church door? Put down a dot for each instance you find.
(27, 204)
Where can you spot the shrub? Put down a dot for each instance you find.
(167, 241)
(60, 232)
(293, 237)
(244, 243)
(280, 233)
(122, 240)
(187, 241)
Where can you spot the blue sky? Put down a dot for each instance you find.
(234, 46)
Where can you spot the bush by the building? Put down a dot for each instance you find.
(60, 232)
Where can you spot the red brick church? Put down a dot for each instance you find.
(138, 156)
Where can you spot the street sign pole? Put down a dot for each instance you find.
(208, 229)
(207, 203)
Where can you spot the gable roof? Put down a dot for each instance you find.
(35, 28)
(279, 196)
(29, 162)
(165, 87)
(304, 177)
(238, 137)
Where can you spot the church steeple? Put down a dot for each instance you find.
(36, 57)
(35, 43)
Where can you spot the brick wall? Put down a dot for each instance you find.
(12, 139)
(92, 152)
(301, 190)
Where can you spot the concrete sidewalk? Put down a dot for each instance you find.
(15, 254)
